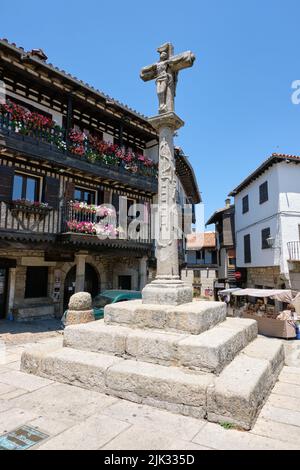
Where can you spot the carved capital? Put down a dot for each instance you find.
(170, 120)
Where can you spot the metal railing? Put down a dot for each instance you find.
(73, 220)
(294, 250)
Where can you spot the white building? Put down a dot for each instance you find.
(267, 223)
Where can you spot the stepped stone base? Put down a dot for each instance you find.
(187, 359)
(193, 317)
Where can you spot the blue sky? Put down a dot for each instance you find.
(236, 100)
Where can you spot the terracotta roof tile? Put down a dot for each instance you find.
(196, 241)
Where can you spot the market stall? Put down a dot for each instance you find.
(275, 310)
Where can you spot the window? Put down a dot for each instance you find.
(231, 262)
(263, 192)
(36, 282)
(265, 234)
(247, 249)
(245, 204)
(26, 187)
(84, 195)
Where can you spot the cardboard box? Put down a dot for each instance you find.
(272, 327)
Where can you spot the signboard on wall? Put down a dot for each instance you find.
(56, 286)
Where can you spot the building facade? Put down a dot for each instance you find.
(225, 244)
(267, 224)
(201, 267)
(67, 149)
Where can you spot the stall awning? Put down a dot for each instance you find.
(228, 291)
(283, 295)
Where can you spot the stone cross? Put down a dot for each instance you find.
(165, 71)
(167, 288)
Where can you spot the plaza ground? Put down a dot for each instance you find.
(75, 418)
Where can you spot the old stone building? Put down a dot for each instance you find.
(67, 149)
(201, 268)
(225, 243)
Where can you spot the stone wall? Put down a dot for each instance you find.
(266, 277)
(201, 284)
(106, 267)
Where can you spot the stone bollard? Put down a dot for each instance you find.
(80, 309)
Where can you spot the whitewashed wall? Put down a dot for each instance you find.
(281, 213)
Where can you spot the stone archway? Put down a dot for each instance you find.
(91, 284)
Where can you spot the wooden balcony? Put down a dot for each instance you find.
(24, 223)
(80, 228)
(28, 223)
(52, 145)
(294, 251)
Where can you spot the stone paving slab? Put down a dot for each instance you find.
(64, 402)
(52, 427)
(283, 401)
(283, 432)
(281, 415)
(14, 417)
(151, 418)
(287, 389)
(90, 434)
(142, 438)
(5, 388)
(21, 380)
(16, 392)
(217, 437)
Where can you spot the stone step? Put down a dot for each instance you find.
(194, 317)
(210, 351)
(241, 389)
(165, 387)
(236, 396)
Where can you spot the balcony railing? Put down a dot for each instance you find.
(87, 223)
(294, 251)
(44, 141)
(38, 223)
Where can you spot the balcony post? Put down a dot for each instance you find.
(11, 289)
(143, 272)
(69, 119)
(121, 129)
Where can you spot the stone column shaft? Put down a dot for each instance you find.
(80, 272)
(167, 288)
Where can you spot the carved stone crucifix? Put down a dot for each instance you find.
(167, 288)
(165, 71)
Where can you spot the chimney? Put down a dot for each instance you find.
(227, 202)
(39, 54)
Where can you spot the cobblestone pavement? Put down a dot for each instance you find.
(75, 418)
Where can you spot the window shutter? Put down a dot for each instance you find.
(265, 234)
(52, 192)
(263, 192)
(245, 204)
(106, 197)
(228, 230)
(69, 192)
(100, 199)
(6, 182)
(115, 202)
(247, 249)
